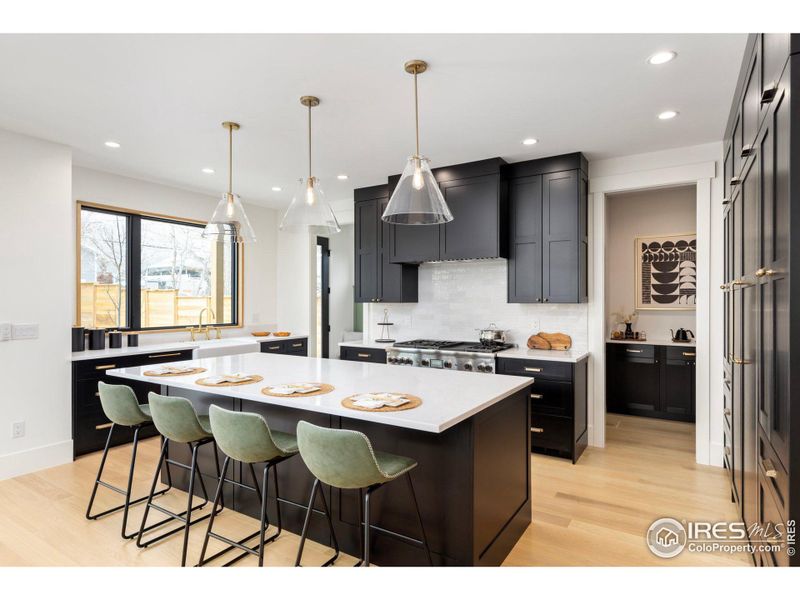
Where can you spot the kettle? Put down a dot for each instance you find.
(682, 335)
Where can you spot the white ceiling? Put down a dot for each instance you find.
(162, 97)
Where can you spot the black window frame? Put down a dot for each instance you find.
(133, 249)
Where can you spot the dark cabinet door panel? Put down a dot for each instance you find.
(475, 231)
(525, 252)
(366, 251)
(560, 236)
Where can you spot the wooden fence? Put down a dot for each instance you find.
(101, 303)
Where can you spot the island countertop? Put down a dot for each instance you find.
(448, 397)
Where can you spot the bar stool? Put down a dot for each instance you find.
(345, 459)
(177, 421)
(246, 437)
(123, 410)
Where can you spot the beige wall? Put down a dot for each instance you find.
(629, 215)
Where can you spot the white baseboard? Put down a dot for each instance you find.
(35, 459)
(715, 451)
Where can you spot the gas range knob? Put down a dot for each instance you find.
(392, 359)
(424, 362)
(448, 364)
(468, 366)
(487, 368)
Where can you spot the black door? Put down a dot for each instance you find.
(525, 246)
(560, 236)
(324, 327)
(474, 231)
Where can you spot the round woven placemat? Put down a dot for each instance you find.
(157, 374)
(324, 388)
(413, 402)
(253, 379)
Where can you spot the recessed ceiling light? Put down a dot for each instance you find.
(529, 141)
(111, 144)
(342, 177)
(276, 189)
(667, 114)
(208, 171)
(659, 58)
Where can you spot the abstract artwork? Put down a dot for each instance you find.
(666, 272)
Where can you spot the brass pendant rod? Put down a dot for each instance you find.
(416, 109)
(230, 160)
(309, 141)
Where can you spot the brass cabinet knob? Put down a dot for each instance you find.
(726, 412)
(724, 287)
(770, 272)
(761, 272)
(768, 93)
(747, 150)
(769, 469)
(537, 430)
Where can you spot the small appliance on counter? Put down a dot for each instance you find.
(78, 339)
(97, 339)
(385, 339)
(115, 339)
(682, 335)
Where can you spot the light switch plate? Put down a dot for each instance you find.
(5, 332)
(24, 331)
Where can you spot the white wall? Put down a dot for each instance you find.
(656, 212)
(37, 270)
(260, 272)
(456, 298)
(295, 283)
(341, 282)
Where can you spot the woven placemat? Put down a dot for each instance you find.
(324, 388)
(253, 379)
(157, 374)
(413, 402)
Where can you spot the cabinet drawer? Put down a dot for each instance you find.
(773, 525)
(272, 347)
(296, 347)
(535, 368)
(775, 476)
(551, 432)
(552, 398)
(160, 357)
(681, 355)
(633, 352)
(374, 355)
(97, 367)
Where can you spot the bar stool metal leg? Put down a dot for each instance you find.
(419, 519)
(314, 489)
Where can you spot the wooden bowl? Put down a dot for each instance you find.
(282, 334)
(260, 333)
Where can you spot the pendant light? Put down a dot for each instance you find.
(309, 207)
(229, 221)
(417, 199)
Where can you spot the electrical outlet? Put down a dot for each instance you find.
(24, 331)
(5, 332)
(18, 429)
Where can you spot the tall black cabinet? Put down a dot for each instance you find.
(762, 209)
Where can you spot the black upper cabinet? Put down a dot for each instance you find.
(377, 279)
(548, 230)
(475, 193)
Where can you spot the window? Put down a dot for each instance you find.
(146, 272)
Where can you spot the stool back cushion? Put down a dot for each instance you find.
(243, 436)
(339, 457)
(175, 419)
(120, 404)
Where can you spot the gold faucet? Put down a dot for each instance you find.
(207, 328)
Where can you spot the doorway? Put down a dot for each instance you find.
(323, 297)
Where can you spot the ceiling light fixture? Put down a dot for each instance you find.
(229, 221)
(309, 207)
(111, 144)
(208, 171)
(530, 141)
(659, 58)
(342, 177)
(668, 114)
(417, 199)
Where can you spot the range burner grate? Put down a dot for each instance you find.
(426, 344)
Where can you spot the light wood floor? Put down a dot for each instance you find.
(592, 513)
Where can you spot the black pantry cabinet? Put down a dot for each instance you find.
(376, 278)
(548, 230)
(761, 165)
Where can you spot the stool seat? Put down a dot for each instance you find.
(121, 406)
(392, 466)
(286, 442)
(205, 423)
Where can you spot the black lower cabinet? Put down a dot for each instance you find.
(558, 397)
(294, 346)
(374, 355)
(89, 424)
(651, 381)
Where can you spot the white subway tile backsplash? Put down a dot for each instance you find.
(456, 298)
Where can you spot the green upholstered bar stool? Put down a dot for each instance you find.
(122, 409)
(176, 420)
(345, 459)
(246, 437)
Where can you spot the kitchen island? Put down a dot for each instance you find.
(470, 437)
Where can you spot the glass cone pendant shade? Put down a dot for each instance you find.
(309, 208)
(417, 199)
(229, 222)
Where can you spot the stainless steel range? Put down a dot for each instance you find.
(440, 354)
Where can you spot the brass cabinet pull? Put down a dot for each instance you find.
(104, 367)
(537, 396)
(725, 201)
(688, 353)
(770, 272)
(747, 150)
(741, 361)
(727, 451)
(300, 345)
(533, 369)
(274, 348)
(760, 272)
(97, 394)
(725, 287)
(163, 355)
(769, 468)
(104, 426)
(768, 93)
(735, 181)
(633, 351)
(741, 283)
(362, 355)
(726, 412)
(537, 430)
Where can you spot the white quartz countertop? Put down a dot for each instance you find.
(448, 397)
(366, 344)
(230, 342)
(572, 355)
(653, 342)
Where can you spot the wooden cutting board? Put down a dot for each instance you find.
(550, 341)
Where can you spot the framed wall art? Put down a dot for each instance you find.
(666, 272)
